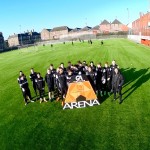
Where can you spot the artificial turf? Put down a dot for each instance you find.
(110, 126)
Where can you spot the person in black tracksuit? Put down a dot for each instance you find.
(53, 70)
(40, 83)
(49, 78)
(33, 77)
(25, 89)
(69, 77)
(103, 82)
(93, 66)
(98, 79)
(69, 65)
(113, 66)
(62, 84)
(56, 83)
(91, 75)
(63, 67)
(117, 83)
(80, 68)
(19, 78)
(108, 78)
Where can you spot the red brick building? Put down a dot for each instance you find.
(105, 27)
(117, 26)
(141, 26)
(141, 29)
(114, 27)
(45, 34)
(96, 29)
(56, 32)
(77, 33)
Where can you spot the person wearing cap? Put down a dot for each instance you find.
(40, 86)
(117, 83)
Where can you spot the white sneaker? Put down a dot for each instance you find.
(41, 100)
(31, 101)
(45, 100)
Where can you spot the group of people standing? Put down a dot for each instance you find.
(104, 80)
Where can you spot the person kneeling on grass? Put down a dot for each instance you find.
(25, 89)
(40, 86)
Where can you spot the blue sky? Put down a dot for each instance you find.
(39, 14)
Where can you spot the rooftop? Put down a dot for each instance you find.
(96, 27)
(116, 22)
(75, 30)
(104, 22)
(86, 28)
(60, 28)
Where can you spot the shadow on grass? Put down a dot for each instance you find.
(102, 98)
(139, 77)
(131, 75)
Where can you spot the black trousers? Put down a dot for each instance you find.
(108, 86)
(63, 91)
(103, 87)
(115, 91)
(50, 88)
(41, 93)
(26, 93)
(34, 87)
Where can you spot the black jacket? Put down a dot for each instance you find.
(24, 84)
(62, 81)
(33, 77)
(40, 83)
(49, 78)
(99, 75)
(117, 81)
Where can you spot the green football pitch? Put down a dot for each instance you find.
(109, 126)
